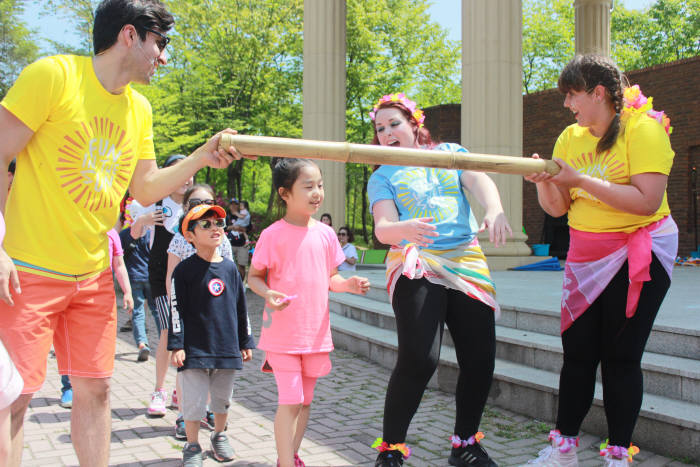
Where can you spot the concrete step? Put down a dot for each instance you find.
(664, 339)
(671, 376)
(667, 426)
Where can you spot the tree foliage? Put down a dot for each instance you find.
(17, 49)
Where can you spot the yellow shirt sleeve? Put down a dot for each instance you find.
(36, 92)
(649, 148)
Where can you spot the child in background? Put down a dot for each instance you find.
(11, 385)
(209, 333)
(294, 266)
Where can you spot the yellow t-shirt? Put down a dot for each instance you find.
(74, 171)
(641, 147)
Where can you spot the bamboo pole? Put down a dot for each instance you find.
(384, 155)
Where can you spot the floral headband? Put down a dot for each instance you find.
(636, 102)
(416, 114)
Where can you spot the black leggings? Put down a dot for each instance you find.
(422, 309)
(603, 334)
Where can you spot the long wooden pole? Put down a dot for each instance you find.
(384, 155)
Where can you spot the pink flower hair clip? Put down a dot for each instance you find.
(416, 113)
(636, 102)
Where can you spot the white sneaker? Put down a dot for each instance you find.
(617, 456)
(157, 406)
(561, 452)
(610, 461)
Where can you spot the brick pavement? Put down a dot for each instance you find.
(346, 417)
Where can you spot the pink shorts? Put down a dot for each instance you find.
(296, 375)
(79, 317)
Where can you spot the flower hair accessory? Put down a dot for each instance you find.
(458, 442)
(381, 446)
(416, 113)
(637, 103)
(618, 451)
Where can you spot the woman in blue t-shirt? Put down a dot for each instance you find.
(436, 275)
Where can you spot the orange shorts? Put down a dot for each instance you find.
(79, 317)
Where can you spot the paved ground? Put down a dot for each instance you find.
(345, 419)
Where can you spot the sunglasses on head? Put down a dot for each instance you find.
(196, 202)
(207, 224)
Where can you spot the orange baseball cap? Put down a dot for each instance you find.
(200, 210)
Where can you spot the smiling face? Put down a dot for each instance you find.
(592, 110)
(393, 129)
(146, 56)
(306, 195)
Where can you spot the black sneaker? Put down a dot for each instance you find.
(127, 326)
(471, 456)
(392, 458)
(180, 432)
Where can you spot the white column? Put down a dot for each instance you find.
(592, 26)
(492, 103)
(324, 92)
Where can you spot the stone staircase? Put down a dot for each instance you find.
(528, 360)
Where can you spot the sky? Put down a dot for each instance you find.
(442, 12)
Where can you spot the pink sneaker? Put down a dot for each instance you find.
(157, 406)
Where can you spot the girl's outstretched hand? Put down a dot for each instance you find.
(498, 226)
(276, 300)
(246, 354)
(358, 285)
(419, 231)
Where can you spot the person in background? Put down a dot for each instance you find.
(327, 219)
(136, 256)
(11, 173)
(345, 237)
(239, 225)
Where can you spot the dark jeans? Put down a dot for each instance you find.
(604, 335)
(422, 309)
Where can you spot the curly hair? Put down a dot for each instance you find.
(584, 73)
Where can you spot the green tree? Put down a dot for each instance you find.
(548, 41)
(80, 16)
(17, 48)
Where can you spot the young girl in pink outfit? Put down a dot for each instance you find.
(294, 266)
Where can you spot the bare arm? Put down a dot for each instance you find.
(642, 196)
(173, 260)
(554, 199)
(390, 231)
(486, 193)
(257, 283)
(122, 276)
(354, 284)
(149, 184)
(14, 136)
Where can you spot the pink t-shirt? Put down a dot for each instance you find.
(299, 261)
(115, 246)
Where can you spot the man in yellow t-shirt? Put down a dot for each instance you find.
(81, 136)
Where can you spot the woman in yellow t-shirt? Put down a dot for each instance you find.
(614, 164)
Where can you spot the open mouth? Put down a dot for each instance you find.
(394, 143)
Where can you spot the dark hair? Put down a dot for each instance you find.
(245, 204)
(326, 214)
(11, 167)
(422, 133)
(172, 159)
(186, 199)
(584, 73)
(285, 173)
(112, 15)
(351, 237)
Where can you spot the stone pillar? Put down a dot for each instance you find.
(593, 26)
(324, 92)
(492, 108)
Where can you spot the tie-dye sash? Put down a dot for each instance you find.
(463, 268)
(594, 259)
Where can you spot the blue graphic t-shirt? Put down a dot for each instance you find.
(428, 192)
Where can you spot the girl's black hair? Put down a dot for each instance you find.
(328, 215)
(285, 172)
(584, 73)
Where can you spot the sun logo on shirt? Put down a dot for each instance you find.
(93, 164)
(428, 193)
(604, 166)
